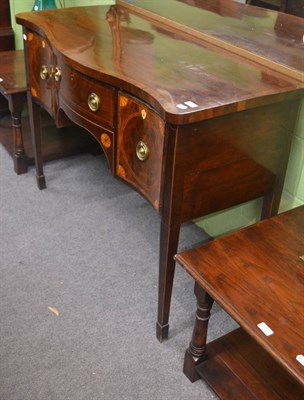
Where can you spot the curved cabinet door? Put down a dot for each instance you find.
(140, 146)
(41, 69)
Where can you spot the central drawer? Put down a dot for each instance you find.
(88, 97)
(140, 147)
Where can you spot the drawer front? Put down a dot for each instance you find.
(88, 97)
(140, 145)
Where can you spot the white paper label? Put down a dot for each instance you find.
(300, 359)
(265, 329)
(191, 104)
(181, 106)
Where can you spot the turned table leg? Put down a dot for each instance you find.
(195, 354)
(16, 102)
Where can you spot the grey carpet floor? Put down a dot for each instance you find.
(87, 247)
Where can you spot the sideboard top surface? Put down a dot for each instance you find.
(184, 76)
(267, 36)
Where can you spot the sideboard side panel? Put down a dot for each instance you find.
(236, 158)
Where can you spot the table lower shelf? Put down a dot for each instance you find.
(239, 368)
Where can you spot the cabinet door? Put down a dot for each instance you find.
(40, 72)
(140, 147)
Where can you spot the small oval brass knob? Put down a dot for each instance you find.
(142, 151)
(44, 73)
(57, 74)
(94, 102)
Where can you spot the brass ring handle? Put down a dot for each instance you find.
(44, 73)
(142, 151)
(94, 102)
(57, 74)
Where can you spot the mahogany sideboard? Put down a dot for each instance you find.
(257, 275)
(193, 104)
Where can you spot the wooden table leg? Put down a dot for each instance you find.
(16, 102)
(169, 236)
(171, 222)
(35, 123)
(195, 354)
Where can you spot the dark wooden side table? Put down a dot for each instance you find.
(257, 276)
(13, 87)
(7, 41)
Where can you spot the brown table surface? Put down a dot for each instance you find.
(12, 79)
(261, 35)
(256, 275)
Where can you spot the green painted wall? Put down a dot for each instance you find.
(222, 222)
